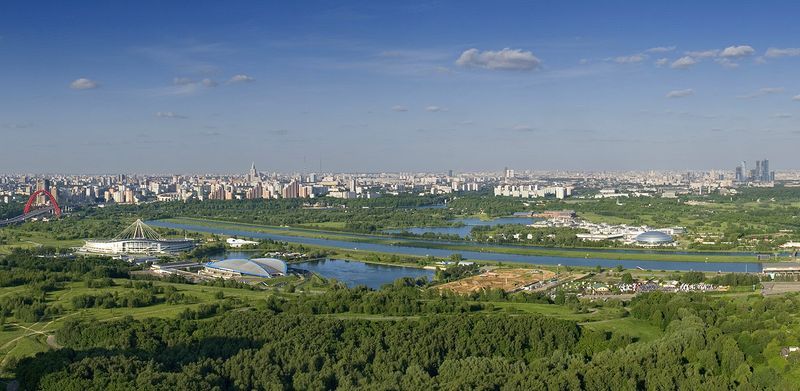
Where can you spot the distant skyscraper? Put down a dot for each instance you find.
(252, 176)
(757, 176)
(760, 173)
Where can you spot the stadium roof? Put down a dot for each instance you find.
(259, 267)
(138, 230)
(653, 237)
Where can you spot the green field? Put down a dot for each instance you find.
(636, 328)
(24, 339)
(30, 239)
(556, 311)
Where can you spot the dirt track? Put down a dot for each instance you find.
(505, 279)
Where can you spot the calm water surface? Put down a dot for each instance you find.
(465, 230)
(354, 273)
(351, 273)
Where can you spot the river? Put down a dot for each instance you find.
(351, 273)
(465, 230)
(475, 255)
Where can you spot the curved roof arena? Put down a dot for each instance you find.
(259, 267)
(653, 237)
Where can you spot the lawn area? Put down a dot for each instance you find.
(597, 218)
(25, 339)
(636, 328)
(36, 239)
(325, 225)
(556, 311)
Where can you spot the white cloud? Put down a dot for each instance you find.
(680, 93)
(782, 115)
(187, 86)
(442, 70)
(182, 81)
(629, 59)
(240, 78)
(434, 109)
(683, 62)
(18, 125)
(737, 51)
(762, 92)
(506, 59)
(522, 128)
(169, 115)
(399, 108)
(703, 53)
(771, 90)
(83, 84)
(785, 52)
(727, 63)
(661, 62)
(660, 49)
(796, 98)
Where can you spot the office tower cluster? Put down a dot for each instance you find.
(760, 173)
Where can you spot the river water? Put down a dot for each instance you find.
(642, 263)
(351, 273)
(464, 230)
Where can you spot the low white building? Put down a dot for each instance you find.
(236, 243)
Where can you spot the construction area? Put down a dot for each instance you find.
(509, 280)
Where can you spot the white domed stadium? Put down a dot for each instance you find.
(653, 238)
(257, 267)
(138, 238)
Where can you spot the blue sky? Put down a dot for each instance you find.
(153, 86)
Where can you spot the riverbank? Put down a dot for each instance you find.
(589, 253)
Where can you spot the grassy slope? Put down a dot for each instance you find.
(35, 239)
(636, 328)
(16, 340)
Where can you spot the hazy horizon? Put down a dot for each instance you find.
(157, 87)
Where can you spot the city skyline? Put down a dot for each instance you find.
(431, 86)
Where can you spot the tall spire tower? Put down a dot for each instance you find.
(252, 176)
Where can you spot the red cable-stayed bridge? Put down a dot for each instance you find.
(31, 211)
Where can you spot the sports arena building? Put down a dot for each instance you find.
(257, 267)
(653, 239)
(138, 238)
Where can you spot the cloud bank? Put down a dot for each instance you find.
(506, 59)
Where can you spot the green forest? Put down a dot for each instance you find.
(707, 343)
(406, 336)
